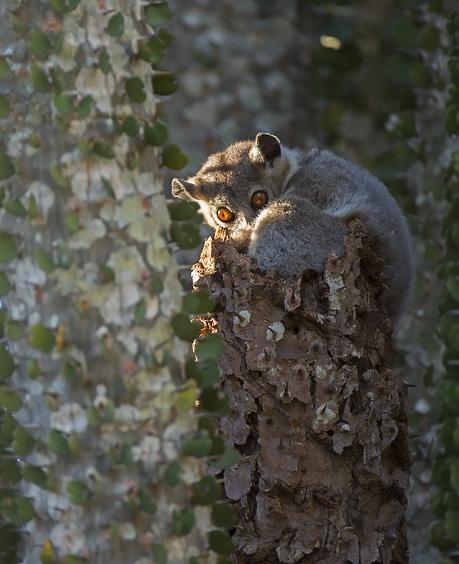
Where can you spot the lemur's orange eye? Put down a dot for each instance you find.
(225, 215)
(259, 199)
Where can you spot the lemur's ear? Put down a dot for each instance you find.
(187, 190)
(265, 149)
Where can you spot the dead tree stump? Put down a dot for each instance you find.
(316, 411)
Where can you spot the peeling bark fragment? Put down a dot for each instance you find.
(316, 411)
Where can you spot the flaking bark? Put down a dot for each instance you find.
(316, 411)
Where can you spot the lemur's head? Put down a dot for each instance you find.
(233, 186)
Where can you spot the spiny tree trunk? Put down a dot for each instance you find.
(91, 419)
(316, 410)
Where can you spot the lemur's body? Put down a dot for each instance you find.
(291, 209)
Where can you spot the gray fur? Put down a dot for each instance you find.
(310, 199)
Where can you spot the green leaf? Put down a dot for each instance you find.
(5, 286)
(146, 501)
(206, 372)
(199, 446)
(173, 157)
(184, 328)
(156, 283)
(185, 399)
(42, 338)
(12, 542)
(103, 149)
(7, 427)
(35, 140)
(6, 167)
(165, 37)
(57, 78)
(23, 443)
(85, 106)
(39, 44)
(104, 61)
(198, 301)
(130, 126)
(451, 121)
(220, 542)
(33, 369)
(17, 509)
(135, 89)
(406, 33)
(452, 525)
(70, 371)
(223, 515)
(108, 188)
(44, 261)
(7, 366)
(171, 475)
(206, 492)
(139, 311)
(64, 258)
(126, 457)
(64, 6)
(183, 521)
(155, 134)
(39, 78)
(186, 235)
(164, 83)
(227, 459)
(72, 559)
(14, 330)
(106, 273)
(72, 221)
(79, 492)
(3, 317)
(9, 471)
(454, 476)
(64, 103)
(213, 400)
(5, 107)
(430, 39)
(35, 475)
(15, 207)
(151, 50)
(452, 285)
(57, 175)
(10, 400)
(5, 71)
(452, 337)
(157, 14)
(115, 26)
(183, 210)
(209, 347)
(218, 446)
(159, 553)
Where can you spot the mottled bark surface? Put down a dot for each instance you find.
(316, 410)
(94, 411)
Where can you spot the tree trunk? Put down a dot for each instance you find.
(93, 409)
(316, 410)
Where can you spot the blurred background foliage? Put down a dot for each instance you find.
(369, 80)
